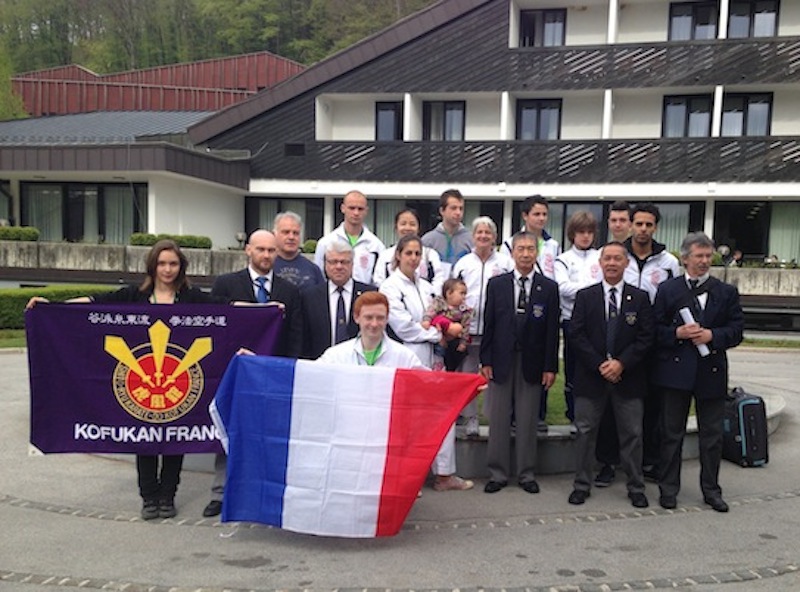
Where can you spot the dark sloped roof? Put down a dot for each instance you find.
(356, 55)
(103, 127)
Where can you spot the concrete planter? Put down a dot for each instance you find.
(227, 261)
(199, 260)
(761, 281)
(19, 254)
(80, 256)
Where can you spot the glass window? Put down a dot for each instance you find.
(542, 28)
(42, 207)
(753, 18)
(743, 225)
(693, 20)
(443, 121)
(388, 121)
(260, 212)
(77, 212)
(784, 232)
(5, 203)
(687, 116)
(538, 119)
(747, 115)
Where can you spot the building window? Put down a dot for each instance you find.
(388, 121)
(443, 121)
(687, 117)
(78, 212)
(538, 119)
(5, 203)
(747, 115)
(260, 212)
(753, 18)
(743, 225)
(693, 20)
(542, 28)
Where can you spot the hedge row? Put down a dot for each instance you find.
(13, 300)
(186, 241)
(19, 233)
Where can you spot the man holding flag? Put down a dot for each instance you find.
(340, 446)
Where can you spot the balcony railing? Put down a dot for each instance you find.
(762, 159)
(688, 63)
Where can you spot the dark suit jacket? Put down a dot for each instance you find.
(678, 364)
(635, 333)
(316, 312)
(239, 286)
(540, 335)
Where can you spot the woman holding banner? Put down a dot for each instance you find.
(166, 283)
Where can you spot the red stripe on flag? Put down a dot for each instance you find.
(424, 406)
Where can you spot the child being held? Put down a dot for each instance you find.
(450, 311)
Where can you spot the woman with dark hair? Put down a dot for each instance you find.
(165, 283)
(409, 296)
(406, 223)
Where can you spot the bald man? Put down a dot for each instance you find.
(258, 283)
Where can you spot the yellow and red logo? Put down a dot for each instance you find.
(158, 381)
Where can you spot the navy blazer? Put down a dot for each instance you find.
(540, 334)
(635, 333)
(238, 286)
(316, 312)
(678, 364)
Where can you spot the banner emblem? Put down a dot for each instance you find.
(159, 381)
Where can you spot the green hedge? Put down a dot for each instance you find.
(13, 300)
(19, 233)
(310, 246)
(186, 241)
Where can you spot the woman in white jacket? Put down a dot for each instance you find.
(406, 222)
(409, 296)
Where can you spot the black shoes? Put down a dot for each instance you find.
(638, 500)
(530, 486)
(577, 497)
(668, 502)
(149, 510)
(214, 508)
(494, 486)
(166, 509)
(717, 504)
(605, 477)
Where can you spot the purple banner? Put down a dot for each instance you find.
(135, 378)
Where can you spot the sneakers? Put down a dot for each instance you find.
(605, 477)
(166, 509)
(452, 483)
(149, 510)
(472, 427)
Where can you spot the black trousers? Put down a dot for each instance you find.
(710, 416)
(155, 486)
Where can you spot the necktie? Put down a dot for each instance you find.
(698, 308)
(611, 326)
(341, 318)
(522, 301)
(262, 296)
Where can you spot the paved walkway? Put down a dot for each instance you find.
(71, 521)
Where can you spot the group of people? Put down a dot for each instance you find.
(451, 300)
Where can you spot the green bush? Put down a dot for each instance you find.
(310, 246)
(185, 241)
(19, 233)
(13, 300)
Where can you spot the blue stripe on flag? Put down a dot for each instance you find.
(261, 417)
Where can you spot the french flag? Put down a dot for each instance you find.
(331, 450)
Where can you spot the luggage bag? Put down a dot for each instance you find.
(745, 436)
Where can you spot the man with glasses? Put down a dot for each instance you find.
(327, 309)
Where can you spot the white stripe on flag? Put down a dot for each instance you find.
(337, 449)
